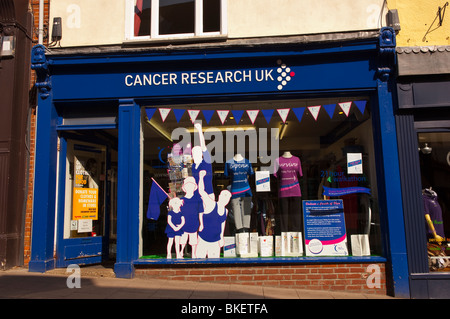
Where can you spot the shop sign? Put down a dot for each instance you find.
(324, 223)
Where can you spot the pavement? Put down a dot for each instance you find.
(97, 282)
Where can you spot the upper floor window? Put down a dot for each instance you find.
(160, 19)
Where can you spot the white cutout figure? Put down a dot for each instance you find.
(175, 223)
(212, 221)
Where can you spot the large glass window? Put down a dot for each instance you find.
(172, 18)
(260, 179)
(434, 154)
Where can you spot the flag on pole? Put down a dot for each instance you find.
(156, 198)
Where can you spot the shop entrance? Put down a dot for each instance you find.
(87, 197)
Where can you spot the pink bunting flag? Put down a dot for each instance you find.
(283, 114)
(193, 114)
(345, 106)
(252, 114)
(314, 110)
(223, 115)
(164, 112)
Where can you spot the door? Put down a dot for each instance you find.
(84, 201)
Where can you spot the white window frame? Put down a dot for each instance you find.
(154, 28)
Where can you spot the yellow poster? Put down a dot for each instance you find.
(85, 203)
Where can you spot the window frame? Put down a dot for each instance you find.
(154, 27)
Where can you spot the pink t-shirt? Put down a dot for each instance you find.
(287, 170)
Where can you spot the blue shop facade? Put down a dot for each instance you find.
(115, 159)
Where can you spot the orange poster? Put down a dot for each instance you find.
(85, 203)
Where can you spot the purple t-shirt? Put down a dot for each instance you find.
(287, 170)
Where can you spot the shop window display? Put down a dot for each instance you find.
(434, 157)
(259, 179)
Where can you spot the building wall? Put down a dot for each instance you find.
(416, 21)
(102, 22)
(328, 277)
(34, 5)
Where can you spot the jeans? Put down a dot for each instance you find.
(242, 210)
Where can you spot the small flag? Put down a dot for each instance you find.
(156, 198)
(164, 112)
(208, 115)
(298, 111)
(346, 107)
(314, 111)
(283, 114)
(193, 115)
(267, 115)
(150, 111)
(237, 115)
(178, 114)
(223, 115)
(330, 109)
(252, 114)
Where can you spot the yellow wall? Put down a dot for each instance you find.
(416, 17)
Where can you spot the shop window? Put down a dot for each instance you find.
(290, 178)
(434, 154)
(161, 19)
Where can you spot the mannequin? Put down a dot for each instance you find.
(240, 169)
(288, 170)
(433, 216)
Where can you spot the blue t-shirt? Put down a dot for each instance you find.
(176, 220)
(212, 225)
(206, 166)
(239, 171)
(191, 208)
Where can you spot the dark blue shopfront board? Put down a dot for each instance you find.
(270, 75)
(129, 80)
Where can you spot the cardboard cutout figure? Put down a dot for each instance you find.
(174, 228)
(212, 221)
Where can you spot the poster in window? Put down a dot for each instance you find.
(85, 190)
(325, 233)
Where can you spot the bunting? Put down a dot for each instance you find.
(314, 110)
(283, 113)
(252, 114)
(222, 115)
(193, 114)
(345, 107)
(237, 115)
(164, 112)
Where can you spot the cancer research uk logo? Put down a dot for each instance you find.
(281, 75)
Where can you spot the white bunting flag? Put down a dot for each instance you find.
(314, 110)
(283, 114)
(164, 112)
(252, 114)
(223, 115)
(193, 114)
(346, 107)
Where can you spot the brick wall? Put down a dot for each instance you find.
(331, 277)
(34, 6)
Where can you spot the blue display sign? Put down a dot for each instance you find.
(267, 75)
(324, 224)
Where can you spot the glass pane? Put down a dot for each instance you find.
(176, 16)
(211, 15)
(85, 190)
(434, 157)
(142, 17)
(327, 157)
